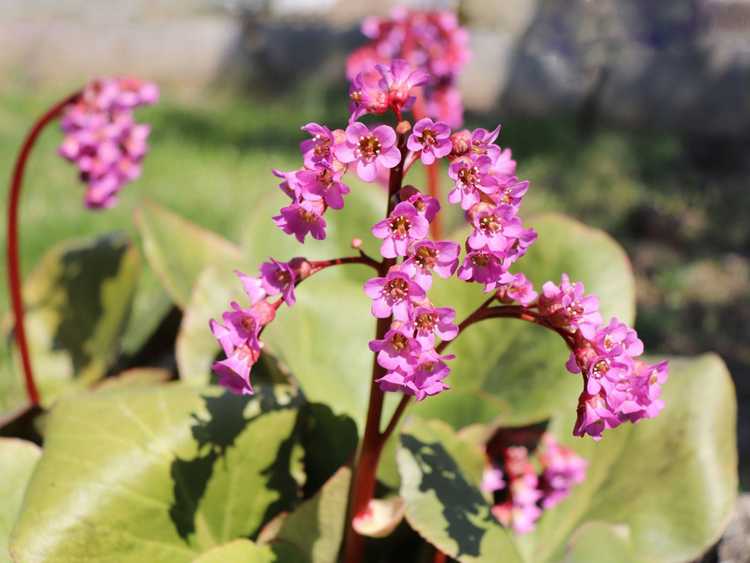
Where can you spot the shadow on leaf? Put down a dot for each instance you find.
(214, 435)
(463, 506)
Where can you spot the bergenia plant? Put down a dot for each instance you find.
(102, 138)
(413, 333)
(391, 409)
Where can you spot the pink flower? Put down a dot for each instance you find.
(430, 321)
(471, 179)
(430, 139)
(568, 308)
(492, 479)
(562, 469)
(424, 380)
(393, 295)
(520, 510)
(317, 150)
(369, 149)
(430, 41)
(495, 227)
(518, 289)
(427, 206)
(278, 277)
(399, 79)
(102, 138)
(322, 183)
(427, 256)
(403, 226)
(299, 219)
(397, 350)
(238, 337)
(253, 287)
(484, 266)
(367, 95)
(594, 416)
(510, 191)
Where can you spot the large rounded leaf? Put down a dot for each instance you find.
(514, 370)
(17, 461)
(77, 304)
(316, 528)
(439, 483)
(157, 474)
(179, 250)
(664, 488)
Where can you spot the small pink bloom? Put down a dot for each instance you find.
(278, 277)
(471, 179)
(430, 139)
(317, 150)
(402, 227)
(427, 206)
(427, 256)
(322, 183)
(368, 149)
(567, 307)
(518, 289)
(393, 295)
(431, 321)
(399, 79)
(495, 227)
(484, 266)
(397, 350)
(299, 219)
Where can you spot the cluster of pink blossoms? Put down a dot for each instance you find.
(103, 139)
(431, 41)
(618, 386)
(527, 493)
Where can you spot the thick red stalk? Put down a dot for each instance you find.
(363, 485)
(12, 254)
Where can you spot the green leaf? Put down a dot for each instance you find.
(238, 551)
(600, 542)
(329, 440)
(660, 490)
(509, 370)
(196, 347)
(151, 305)
(158, 474)
(78, 299)
(135, 376)
(17, 461)
(439, 483)
(179, 250)
(316, 528)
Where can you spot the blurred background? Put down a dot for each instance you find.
(631, 116)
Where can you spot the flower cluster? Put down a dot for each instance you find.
(527, 493)
(409, 345)
(239, 336)
(432, 42)
(407, 351)
(103, 139)
(618, 386)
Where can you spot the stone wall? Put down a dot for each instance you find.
(677, 63)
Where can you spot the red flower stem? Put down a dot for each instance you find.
(363, 258)
(363, 484)
(433, 186)
(440, 557)
(12, 254)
